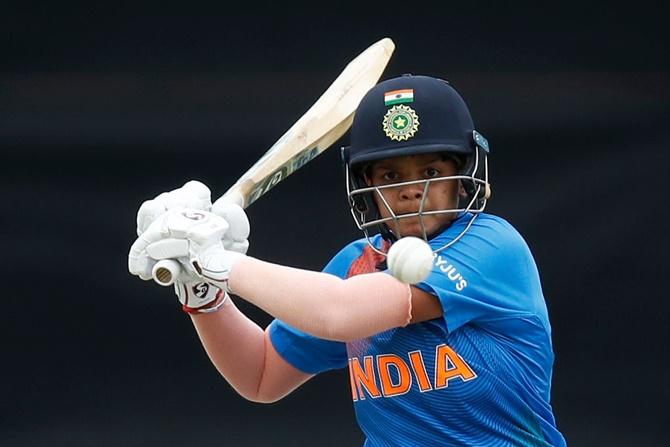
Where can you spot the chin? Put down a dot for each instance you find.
(413, 228)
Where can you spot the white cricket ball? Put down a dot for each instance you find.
(410, 260)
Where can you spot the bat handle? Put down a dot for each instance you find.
(233, 195)
(165, 272)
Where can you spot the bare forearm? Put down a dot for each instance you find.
(235, 345)
(321, 304)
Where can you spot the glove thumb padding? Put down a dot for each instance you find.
(149, 211)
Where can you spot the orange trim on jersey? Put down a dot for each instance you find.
(367, 261)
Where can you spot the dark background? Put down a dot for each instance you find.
(104, 106)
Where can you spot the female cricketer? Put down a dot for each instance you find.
(462, 358)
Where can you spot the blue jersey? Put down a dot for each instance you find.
(478, 376)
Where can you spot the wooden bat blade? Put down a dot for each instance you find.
(323, 124)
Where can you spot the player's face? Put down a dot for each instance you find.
(405, 199)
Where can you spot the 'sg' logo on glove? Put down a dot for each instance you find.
(201, 289)
(193, 215)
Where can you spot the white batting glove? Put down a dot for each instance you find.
(236, 237)
(165, 238)
(160, 239)
(194, 238)
(194, 195)
(202, 297)
(214, 264)
(199, 297)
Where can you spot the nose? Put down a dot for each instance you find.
(412, 192)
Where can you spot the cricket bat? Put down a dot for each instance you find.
(321, 126)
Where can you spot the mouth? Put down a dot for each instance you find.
(401, 213)
(412, 224)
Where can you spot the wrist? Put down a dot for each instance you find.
(215, 265)
(197, 295)
(210, 307)
(237, 274)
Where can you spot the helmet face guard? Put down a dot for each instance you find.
(473, 177)
(441, 124)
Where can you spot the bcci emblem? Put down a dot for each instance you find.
(400, 123)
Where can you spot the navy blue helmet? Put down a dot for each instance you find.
(411, 115)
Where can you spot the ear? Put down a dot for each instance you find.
(461, 191)
(367, 175)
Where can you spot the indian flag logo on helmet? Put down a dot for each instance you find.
(398, 96)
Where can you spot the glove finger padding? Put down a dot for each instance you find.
(198, 190)
(139, 261)
(170, 248)
(193, 194)
(141, 266)
(178, 250)
(207, 229)
(198, 226)
(149, 211)
(176, 225)
(181, 235)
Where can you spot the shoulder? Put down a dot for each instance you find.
(487, 276)
(505, 241)
(487, 237)
(495, 227)
(340, 263)
(491, 262)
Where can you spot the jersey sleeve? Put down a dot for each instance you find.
(488, 277)
(304, 351)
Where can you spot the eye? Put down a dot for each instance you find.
(432, 173)
(390, 176)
